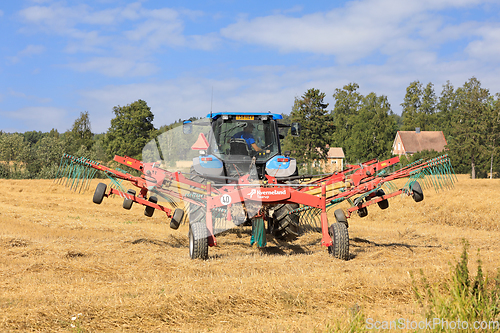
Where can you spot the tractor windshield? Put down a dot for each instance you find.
(253, 136)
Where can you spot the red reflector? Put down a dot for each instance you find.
(283, 159)
(206, 159)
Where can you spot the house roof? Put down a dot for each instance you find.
(425, 140)
(336, 152)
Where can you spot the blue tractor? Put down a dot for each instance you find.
(240, 144)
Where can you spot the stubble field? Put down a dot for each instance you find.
(68, 265)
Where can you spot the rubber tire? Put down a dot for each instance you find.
(149, 211)
(99, 193)
(286, 226)
(384, 204)
(363, 212)
(197, 213)
(198, 241)
(176, 218)
(127, 203)
(340, 237)
(417, 193)
(340, 217)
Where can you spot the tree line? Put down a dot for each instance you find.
(364, 126)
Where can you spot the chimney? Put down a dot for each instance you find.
(417, 130)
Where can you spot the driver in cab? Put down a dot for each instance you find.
(247, 135)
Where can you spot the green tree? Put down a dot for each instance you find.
(80, 134)
(346, 108)
(472, 123)
(310, 111)
(447, 110)
(44, 158)
(419, 107)
(364, 126)
(493, 131)
(373, 131)
(130, 130)
(13, 152)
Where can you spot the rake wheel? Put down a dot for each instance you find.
(340, 236)
(99, 193)
(148, 211)
(384, 204)
(198, 240)
(417, 193)
(363, 212)
(176, 218)
(340, 217)
(127, 203)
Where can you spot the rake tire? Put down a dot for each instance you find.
(384, 204)
(340, 217)
(198, 240)
(176, 218)
(340, 237)
(417, 193)
(197, 212)
(149, 211)
(363, 212)
(286, 225)
(127, 203)
(99, 193)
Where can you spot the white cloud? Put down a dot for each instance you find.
(38, 118)
(28, 51)
(22, 95)
(488, 47)
(32, 50)
(100, 32)
(115, 67)
(352, 32)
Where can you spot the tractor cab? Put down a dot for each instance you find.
(244, 143)
(246, 135)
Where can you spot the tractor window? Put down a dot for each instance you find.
(263, 133)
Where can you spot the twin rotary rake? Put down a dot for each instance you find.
(215, 204)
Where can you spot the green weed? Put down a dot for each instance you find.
(474, 301)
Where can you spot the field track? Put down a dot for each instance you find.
(68, 265)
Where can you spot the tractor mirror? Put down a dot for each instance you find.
(295, 130)
(187, 127)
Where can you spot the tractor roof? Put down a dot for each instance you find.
(218, 114)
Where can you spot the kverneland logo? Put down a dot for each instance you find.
(265, 194)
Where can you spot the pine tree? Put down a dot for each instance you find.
(312, 144)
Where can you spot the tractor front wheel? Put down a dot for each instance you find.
(286, 224)
(340, 237)
(198, 241)
(99, 193)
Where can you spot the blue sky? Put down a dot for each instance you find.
(60, 58)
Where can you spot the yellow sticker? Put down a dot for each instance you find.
(383, 164)
(129, 163)
(244, 117)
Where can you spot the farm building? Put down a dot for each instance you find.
(411, 142)
(334, 161)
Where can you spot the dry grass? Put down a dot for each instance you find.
(63, 257)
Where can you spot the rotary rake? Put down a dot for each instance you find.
(218, 203)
